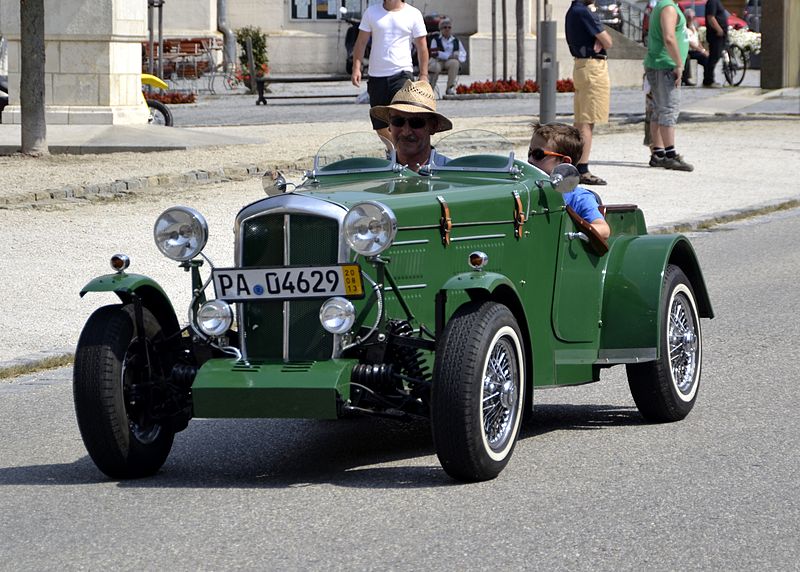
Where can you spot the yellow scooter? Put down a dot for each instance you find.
(159, 113)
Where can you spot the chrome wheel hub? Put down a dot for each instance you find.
(500, 394)
(683, 344)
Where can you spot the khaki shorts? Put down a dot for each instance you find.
(592, 90)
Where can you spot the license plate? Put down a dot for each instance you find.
(247, 284)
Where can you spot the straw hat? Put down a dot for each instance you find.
(413, 97)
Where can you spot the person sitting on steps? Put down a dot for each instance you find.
(447, 53)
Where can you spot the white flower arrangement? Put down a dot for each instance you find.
(747, 40)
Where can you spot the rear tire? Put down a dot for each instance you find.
(478, 392)
(118, 432)
(666, 389)
(159, 113)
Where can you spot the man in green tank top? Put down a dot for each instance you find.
(667, 48)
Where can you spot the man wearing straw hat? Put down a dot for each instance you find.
(412, 119)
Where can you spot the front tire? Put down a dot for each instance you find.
(666, 389)
(115, 416)
(159, 113)
(478, 391)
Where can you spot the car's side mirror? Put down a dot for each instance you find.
(274, 183)
(565, 178)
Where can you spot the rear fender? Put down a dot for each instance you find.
(633, 290)
(128, 286)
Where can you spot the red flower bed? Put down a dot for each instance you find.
(512, 86)
(172, 97)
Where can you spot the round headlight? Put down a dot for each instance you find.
(337, 315)
(180, 233)
(215, 318)
(370, 228)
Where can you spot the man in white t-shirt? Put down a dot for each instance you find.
(393, 25)
(447, 53)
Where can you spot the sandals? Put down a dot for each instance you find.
(589, 179)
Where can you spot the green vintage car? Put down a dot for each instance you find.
(452, 294)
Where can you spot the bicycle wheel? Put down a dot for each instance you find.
(735, 66)
(159, 113)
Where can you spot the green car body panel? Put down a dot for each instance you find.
(228, 388)
(578, 311)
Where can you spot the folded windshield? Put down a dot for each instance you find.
(364, 152)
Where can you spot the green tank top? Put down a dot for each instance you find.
(657, 57)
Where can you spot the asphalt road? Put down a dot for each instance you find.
(590, 487)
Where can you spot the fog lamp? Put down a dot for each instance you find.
(337, 315)
(215, 318)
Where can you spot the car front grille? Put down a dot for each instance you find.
(286, 330)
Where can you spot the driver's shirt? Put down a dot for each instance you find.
(583, 202)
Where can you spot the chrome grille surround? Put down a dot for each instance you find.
(287, 205)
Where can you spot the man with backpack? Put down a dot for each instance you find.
(447, 53)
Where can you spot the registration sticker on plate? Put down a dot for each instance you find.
(288, 282)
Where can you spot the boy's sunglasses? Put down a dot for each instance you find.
(538, 154)
(413, 122)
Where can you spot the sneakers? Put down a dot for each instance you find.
(450, 91)
(675, 163)
(589, 179)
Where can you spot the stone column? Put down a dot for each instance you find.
(93, 61)
(780, 48)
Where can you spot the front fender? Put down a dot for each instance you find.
(487, 281)
(127, 286)
(633, 290)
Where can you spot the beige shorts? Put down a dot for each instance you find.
(592, 91)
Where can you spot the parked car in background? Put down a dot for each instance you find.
(610, 13)
(699, 7)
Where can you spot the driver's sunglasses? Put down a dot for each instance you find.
(413, 122)
(445, 27)
(538, 154)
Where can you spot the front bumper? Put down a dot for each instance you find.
(226, 388)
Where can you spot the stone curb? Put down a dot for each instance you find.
(124, 187)
(45, 359)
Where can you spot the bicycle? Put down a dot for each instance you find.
(734, 64)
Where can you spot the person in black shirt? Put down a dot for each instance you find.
(716, 34)
(588, 41)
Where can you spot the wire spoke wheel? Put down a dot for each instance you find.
(683, 344)
(499, 403)
(666, 389)
(478, 391)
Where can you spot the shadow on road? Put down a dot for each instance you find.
(292, 453)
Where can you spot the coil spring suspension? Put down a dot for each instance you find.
(408, 360)
(378, 377)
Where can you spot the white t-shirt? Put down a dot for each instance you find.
(392, 34)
